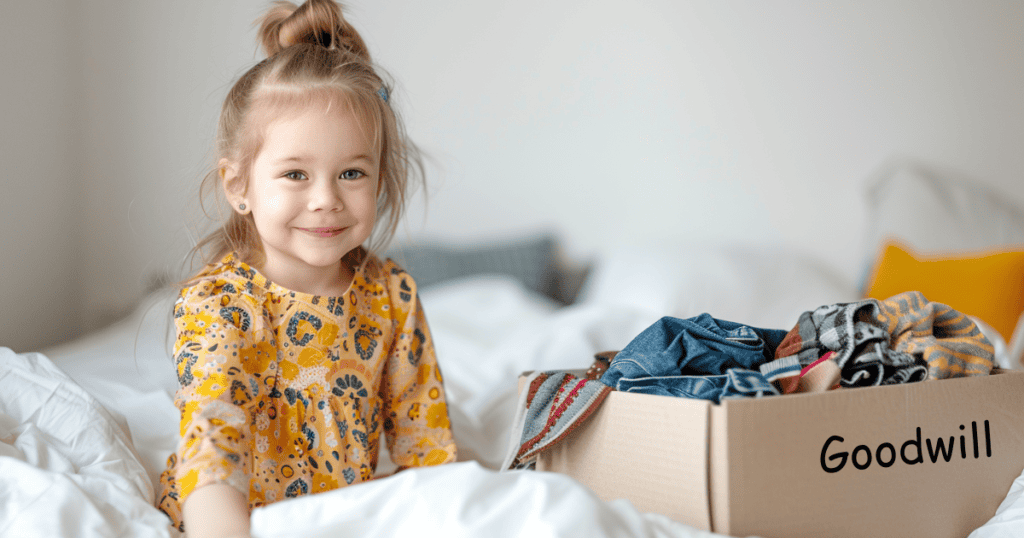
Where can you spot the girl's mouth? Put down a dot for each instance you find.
(323, 232)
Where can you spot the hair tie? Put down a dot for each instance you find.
(383, 93)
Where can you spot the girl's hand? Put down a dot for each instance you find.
(216, 511)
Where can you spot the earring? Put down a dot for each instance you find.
(241, 207)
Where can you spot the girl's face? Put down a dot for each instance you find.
(312, 192)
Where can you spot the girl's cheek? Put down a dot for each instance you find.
(274, 205)
(277, 200)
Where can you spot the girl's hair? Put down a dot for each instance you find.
(314, 58)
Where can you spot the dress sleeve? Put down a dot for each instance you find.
(416, 424)
(219, 365)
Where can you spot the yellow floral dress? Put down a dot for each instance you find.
(284, 393)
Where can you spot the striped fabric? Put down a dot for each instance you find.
(948, 340)
(553, 405)
(902, 339)
(783, 368)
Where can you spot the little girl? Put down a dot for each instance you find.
(296, 346)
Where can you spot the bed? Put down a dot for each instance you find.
(86, 426)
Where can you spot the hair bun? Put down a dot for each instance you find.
(316, 22)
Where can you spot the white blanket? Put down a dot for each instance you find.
(463, 500)
(68, 467)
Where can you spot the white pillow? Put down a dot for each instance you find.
(767, 287)
(936, 212)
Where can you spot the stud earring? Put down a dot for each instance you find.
(241, 207)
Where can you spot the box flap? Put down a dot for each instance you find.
(651, 450)
(930, 459)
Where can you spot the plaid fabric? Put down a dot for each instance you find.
(555, 404)
(903, 339)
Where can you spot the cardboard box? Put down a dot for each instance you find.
(931, 459)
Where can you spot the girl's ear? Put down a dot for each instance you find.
(233, 185)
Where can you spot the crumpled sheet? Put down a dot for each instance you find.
(67, 466)
(463, 500)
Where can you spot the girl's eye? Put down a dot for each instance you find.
(352, 174)
(295, 175)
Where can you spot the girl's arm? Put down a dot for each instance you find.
(220, 366)
(417, 428)
(216, 511)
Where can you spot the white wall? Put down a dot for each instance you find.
(608, 122)
(719, 119)
(39, 256)
(156, 75)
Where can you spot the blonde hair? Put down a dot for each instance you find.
(314, 57)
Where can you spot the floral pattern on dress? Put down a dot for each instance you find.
(284, 394)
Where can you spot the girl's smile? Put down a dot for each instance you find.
(323, 232)
(313, 196)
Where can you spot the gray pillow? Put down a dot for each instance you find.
(531, 261)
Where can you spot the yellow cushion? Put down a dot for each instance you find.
(987, 285)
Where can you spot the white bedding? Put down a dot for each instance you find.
(69, 470)
(77, 472)
(68, 465)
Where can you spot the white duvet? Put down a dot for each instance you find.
(69, 470)
(83, 438)
(67, 466)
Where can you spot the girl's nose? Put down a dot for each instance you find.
(325, 197)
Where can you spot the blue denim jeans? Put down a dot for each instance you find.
(734, 383)
(701, 357)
